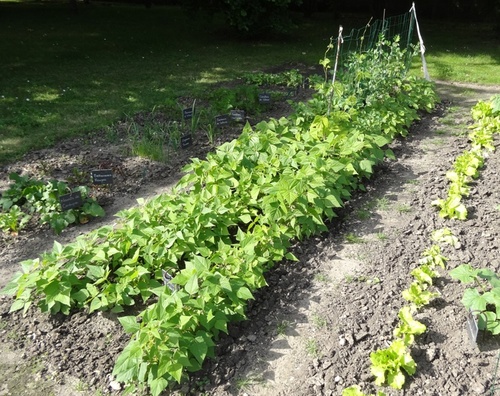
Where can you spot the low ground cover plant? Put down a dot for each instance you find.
(195, 256)
(27, 197)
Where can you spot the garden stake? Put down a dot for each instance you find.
(340, 40)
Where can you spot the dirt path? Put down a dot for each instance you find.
(310, 332)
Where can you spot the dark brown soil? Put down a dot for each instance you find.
(311, 331)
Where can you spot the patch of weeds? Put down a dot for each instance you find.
(363, 278)
(321, 278)
(413, 182)
(381, 236)
(318, 321)
(78, 177)
(380, 204)
(81, 386)
(468, 92)
(244, 383)
(112, 134)
(497, 207)
(13, 336)
(202, 383)
(312, 347)
(149, 149)
(437, 141)
(412, 185)
(45, 168)
(282, 327)
(353, 238)
(37, 365)
(403, 208)
(349, 278)
(363, 214)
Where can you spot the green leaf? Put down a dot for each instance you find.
(157, 386)
(95, 304)
(464, 273)
(474, 300)
(175, 370)
(192, 284)
(95, 272)
(130, 324)
(490, 276)
(244, 293)
(199, 349)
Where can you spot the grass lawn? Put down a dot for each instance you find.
(62, 75)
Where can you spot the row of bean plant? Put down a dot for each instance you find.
(196, 255)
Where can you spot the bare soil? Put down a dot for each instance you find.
(310, 332)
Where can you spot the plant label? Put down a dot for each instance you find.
(472, 327)
(265, 98)
(237, 115)
(187, 114)
(167, 281)
(71, 201)
(186, 141)
(221, 120)
(102, 176)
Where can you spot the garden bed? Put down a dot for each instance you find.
(310, 331)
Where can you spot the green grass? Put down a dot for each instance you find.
(461, 52)
(403, 208)
(312, 348)
(353, 238)
(282, 327)
(64, 75)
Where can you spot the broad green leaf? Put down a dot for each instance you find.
(490, 276)
(199, 349)
(464, 273)
(95, 272)
(192, 284)
(245, 218)
(17, 305)
(244, 293)
(95, 304)
(57, 248)
(80, 296)
(157, 386)
(488, 320)
(175, 370)
(130, 324)
(474, 300)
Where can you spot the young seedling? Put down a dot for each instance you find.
(408, 327)
(389, 364)
(355, 390)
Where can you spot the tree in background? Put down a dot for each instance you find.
(250, 16)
